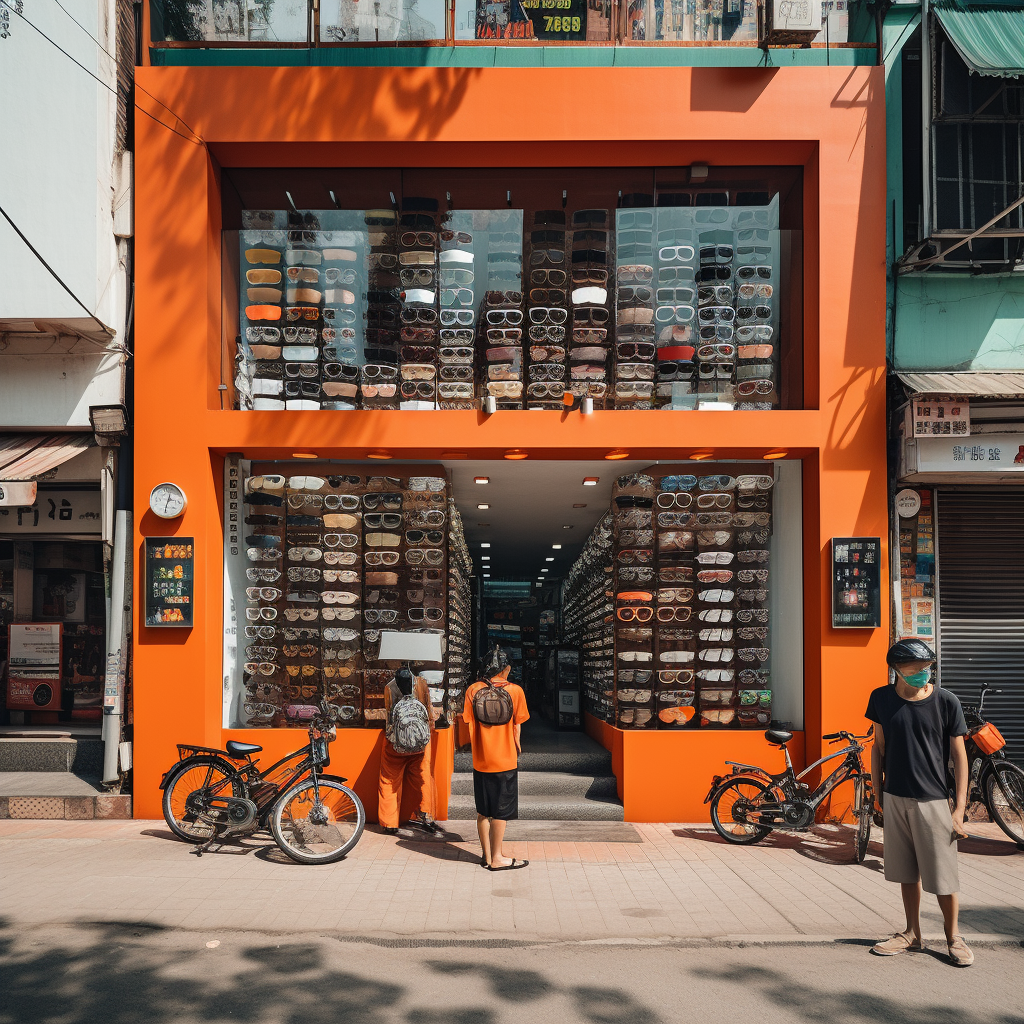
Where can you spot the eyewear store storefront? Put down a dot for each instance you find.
(480, 300)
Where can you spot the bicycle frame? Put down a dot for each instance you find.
(789, 781)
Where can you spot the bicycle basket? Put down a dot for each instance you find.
(988, 738)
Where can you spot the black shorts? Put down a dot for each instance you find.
(497, 794)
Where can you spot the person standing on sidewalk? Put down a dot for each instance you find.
(918, 727)
(405, 756)
(495, 711)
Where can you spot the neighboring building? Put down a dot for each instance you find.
(955, 223)
(65, 341)
(274, 162)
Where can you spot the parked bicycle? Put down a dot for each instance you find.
(751, 803)
(211, 794)
(994, 782)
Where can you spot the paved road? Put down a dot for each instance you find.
(117, 973)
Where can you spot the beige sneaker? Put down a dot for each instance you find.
(960, 953)
(901, 942)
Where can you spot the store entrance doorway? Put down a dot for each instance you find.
(525, 525)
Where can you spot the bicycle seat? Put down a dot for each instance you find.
(776, 736)
(239, 750)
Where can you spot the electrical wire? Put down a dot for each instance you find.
(197, 140)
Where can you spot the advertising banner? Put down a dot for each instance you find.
(33, 681)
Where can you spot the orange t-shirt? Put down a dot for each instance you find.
(494, 746)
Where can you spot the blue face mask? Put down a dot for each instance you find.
(918, 679)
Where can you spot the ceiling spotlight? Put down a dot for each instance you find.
(483, 506)
(485, 544)
(549, 559)
(700, 456)
(485, 558)
(305, 455)
(582, 505)
(544, 570)
(487, 575)
(618, 453)
(556, 547)
(379, 453)
(592, 481)
(777, 454)
(515, 454)
(566, 527)
(481, 479)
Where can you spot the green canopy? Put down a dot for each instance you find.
(988, 34)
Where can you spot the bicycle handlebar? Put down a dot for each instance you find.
(848, 737)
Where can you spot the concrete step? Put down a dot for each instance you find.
(54, 795)
(557, 785)
(544, 808)
(51, 754)
(596, 761)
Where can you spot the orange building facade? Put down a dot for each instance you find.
(824, 124)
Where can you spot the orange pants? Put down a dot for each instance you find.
(395, 768)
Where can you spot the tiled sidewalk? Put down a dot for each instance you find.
(681, 883)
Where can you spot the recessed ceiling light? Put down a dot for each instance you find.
(777, 454)
(487, 575)
(305, 455)
(583, 505)
(592, 481)
(485, 544)
(483, 506)
(618, 453)
(481, 479)
(544, 570)
(566, 527)
(515, 454)
(485, 558)
(378, 453)
(549, 559)
(557, 547)
(700, 456)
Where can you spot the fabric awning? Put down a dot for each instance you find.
(988, 34)
(987, 385)
(28, 456)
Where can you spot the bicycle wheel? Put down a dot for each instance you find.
(1004, 797)
(863, 801)
(315, 831)
(731, 808)
(200, 772)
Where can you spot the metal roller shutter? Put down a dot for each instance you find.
(981, 602)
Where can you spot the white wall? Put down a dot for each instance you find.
(56, 172)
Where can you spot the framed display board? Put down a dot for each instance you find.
(856, 583)
(33, 680)
(170, 600)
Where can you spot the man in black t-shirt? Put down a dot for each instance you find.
(918, 728)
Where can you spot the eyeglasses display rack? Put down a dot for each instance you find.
(547, 311)
(345, 309)
(460, 568)
(587, 619)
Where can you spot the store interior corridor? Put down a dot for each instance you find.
(526, 524)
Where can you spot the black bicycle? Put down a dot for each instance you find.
(994, 781)
(750, 804)
(211, 794)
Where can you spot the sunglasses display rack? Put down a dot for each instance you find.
(591, 319)
(547, 311)
(587, 619)
(460, 569)
(379, 379)
(713, 533)
(342, 309)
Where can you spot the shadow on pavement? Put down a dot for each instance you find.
(827, 844)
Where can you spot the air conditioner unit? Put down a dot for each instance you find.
(788, 22)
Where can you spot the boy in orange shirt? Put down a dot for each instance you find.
(496, 750)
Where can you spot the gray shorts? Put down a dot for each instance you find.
(919, 845)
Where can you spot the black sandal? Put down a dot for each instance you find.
(515, 865)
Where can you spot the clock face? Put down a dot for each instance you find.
(167, 501)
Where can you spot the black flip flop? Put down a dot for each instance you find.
(483, 862)
(514, 866)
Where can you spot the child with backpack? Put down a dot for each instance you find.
(495, 711)
(409, 718)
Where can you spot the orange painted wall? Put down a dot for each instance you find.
(828, 120)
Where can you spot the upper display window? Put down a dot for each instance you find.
(675, 301)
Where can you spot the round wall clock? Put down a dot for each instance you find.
(167, 501)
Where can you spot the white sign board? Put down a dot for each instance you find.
(982, 453)
(35, 645)
(941, 419)
(56, 511)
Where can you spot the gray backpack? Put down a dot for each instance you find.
(408, 728)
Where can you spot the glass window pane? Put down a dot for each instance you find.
(264, 21)
(533, 19)
(360, 21)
